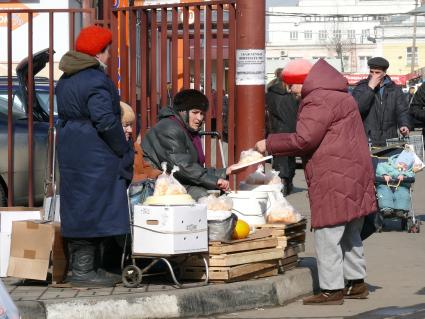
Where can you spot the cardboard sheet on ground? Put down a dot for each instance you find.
(240, 167)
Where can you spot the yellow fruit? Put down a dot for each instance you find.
(241, 230)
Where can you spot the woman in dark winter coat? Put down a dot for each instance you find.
(339, 175)
(92, 154)
(175, 139)
(281, 117)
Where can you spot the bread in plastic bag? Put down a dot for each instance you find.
(256, 178)
(167, 184)
(222, 203)
(272, 178)
(249, 156)
(281, 211)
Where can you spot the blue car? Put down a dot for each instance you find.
(20, 116)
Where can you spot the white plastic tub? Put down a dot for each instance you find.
(250, 206)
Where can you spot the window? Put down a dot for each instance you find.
(365, 33)
(308, 35)
(293, 35)
(351, 34)
(363, 63)
(337, 34)
(322, 35)
(409, 55)
(18, 111)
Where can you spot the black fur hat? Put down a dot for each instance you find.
(187, 100)
(378, 63)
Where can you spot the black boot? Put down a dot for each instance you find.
(83, 257)
(287, 187)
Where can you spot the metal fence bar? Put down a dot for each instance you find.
(220, 68)
(153, 67)
(163, 57)
(10, 126)
(144, 106)
(231, 80)
(207, 78)
(197, 48)
(132, 67)
(30, 84)
(123, 55)
(186, 48)
(174, 49)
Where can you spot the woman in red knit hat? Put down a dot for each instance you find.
(331, 140)
(92, 149)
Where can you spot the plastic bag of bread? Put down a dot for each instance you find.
(256, 178)
(272, 178)
(222, 203)
(167, 184)
(249, 156)
(281, 211)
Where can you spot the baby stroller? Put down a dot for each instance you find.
(407, 217)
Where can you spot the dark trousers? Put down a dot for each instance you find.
(286, 166)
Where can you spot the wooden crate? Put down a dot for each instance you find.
(217, 248)
(232, 273)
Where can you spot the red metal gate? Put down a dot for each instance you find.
(24, 155)
(165, 48)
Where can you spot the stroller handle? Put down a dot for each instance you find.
(406, 180)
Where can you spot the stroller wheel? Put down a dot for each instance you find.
(131, 276)
(404, 224)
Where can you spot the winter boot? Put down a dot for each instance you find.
(356, 289)
(287, 187)
(325, 297)
(82, 254)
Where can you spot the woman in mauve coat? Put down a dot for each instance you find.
(339, 174)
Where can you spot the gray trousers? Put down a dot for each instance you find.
(339, 251)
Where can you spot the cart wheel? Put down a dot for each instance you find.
(131, 276)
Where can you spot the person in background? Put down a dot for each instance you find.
(277, 77)
(339, 174)
(281, 117)
(91, 149)
(417, 108)
(382, 104)
(410, 94)
(175, 139)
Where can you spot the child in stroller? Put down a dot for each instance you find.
(394, 178)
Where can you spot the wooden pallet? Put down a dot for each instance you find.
(224, 248)
(233, 273)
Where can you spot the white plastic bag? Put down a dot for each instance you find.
(258, 177)
(272, 178)
(418, 165)
(281, 211)
(7, 308)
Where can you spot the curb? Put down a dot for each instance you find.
(190, 302)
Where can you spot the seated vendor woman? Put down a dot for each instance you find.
(175, 139)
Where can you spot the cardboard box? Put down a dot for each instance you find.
(4, 253)
(59, 259)
(168, 230)
(31, 244)
(10, 214)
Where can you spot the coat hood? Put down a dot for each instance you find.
(166, 112)
(73, 62)
(323, 76)
(278, 88)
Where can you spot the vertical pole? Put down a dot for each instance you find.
(250, 72)
(415, 19)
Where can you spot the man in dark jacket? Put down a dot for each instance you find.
(417, 107)
(281, 117)
(175, 139)
(382, 104)
(339, 174)
(92, 149)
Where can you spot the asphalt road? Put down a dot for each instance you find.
(395, 267)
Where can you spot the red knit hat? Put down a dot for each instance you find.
(93, 39)
(296, 71)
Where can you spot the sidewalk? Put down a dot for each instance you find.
(166, 301)
(161, 301)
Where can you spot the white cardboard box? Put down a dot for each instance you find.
(169, 230)
(11, 214)
(4, 253)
